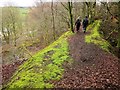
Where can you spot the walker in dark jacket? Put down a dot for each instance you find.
(78, 23)
(85, 23)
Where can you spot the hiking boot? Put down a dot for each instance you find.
(84, 31)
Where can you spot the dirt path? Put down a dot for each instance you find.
(92, 67)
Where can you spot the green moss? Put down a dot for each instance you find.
(45, 65)
(95, 36)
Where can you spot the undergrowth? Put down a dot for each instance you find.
(42, 67)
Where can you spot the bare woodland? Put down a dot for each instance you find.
(25, 34)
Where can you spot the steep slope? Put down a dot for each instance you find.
(43, 67)
(73, 61)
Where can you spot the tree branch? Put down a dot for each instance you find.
(105, 4)
(94, 4)
(87, 4)
(110, 35)
(64, 6)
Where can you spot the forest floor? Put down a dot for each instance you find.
(8, 69)
(92, 67)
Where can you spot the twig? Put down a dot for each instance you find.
(27, 51)
(64, 6)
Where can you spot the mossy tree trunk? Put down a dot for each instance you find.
(71, 15)
(91, 10)
(53, 20)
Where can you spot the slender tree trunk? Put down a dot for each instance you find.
(88, 9)
(84, 10)
(47, 33)
(91, 10)
(15, 37)
(53, 21)
(71, 16)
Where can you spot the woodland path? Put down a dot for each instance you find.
(92, 67)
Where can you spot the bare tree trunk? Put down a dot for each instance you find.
(71, 15)
(15, 37)
(91, 10)
(84, 10)
(53, 21)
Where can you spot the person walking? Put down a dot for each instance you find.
(85, 24)
(77, 24)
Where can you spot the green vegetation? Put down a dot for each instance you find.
(95, 36)
(24, 11)
(43, 67)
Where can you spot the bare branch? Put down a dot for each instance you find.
(105, 4)
(65, 6)
(94, 4)
(87, 4)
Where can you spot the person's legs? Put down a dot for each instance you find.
(84, 29)
(78, 27)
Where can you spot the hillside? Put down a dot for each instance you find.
(44, 66)
(73, 61)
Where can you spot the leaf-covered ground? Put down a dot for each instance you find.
(7, 70)
(93, 66)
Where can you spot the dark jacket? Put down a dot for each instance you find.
(77, 23)
(85, 22)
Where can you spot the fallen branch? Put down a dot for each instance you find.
(28, 52)
(110, 35)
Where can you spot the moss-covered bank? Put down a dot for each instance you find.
(44, 66)
(96, 38)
